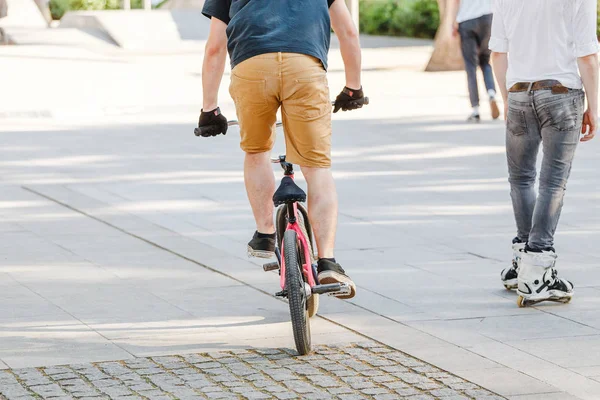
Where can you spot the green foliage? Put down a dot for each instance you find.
(598, 20)
(59, 7)
(413, 18)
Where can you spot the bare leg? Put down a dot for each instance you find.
(322, 208)
(260, 186)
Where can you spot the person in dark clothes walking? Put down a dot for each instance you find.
(472, 20)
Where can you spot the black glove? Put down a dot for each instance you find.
(211, 123)
(349, 99)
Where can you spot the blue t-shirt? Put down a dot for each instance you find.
(257, 27)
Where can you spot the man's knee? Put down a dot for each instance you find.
(257, 158)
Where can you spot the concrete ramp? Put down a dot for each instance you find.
(23, 14)
(144, 30)
(60, 37)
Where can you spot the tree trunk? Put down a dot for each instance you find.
(446, 54)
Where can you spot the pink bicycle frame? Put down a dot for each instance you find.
(307, 266)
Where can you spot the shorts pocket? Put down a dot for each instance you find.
(246, 92)
(309, 99)
(314, 78)
(517, 122)
(564, 115)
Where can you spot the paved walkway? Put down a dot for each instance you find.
(364, 371)
(123, 235)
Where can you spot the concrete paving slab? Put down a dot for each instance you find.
(508, 382)
(56, 345)
(19, 301)
(545, 396)
(579, 351)
(508, 328)
(592, 371)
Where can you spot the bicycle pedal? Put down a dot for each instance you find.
(344, 290)
(272, 266)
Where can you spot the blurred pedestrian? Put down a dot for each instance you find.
(553, 50)
(472, 20)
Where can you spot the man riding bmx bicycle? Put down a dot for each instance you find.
(278, 52)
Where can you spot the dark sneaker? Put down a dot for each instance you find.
(332, 272)
(494, 109)
(262, 245)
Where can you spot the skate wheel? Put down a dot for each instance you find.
(521, 301)
(507, 287)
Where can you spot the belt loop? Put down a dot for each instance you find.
(530, 87)
(279, 57)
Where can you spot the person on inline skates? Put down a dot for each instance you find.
(278, 52)
(548, 42)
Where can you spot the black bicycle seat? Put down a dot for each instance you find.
(288, 192)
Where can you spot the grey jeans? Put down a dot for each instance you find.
(474, 38)
(554, 121)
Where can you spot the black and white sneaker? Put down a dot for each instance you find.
(332, 272)
(474, 118)
(262, 245)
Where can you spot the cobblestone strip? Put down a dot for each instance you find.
(347, 372)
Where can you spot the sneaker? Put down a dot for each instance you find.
(494, 108)
(509, 275)
(262, 245)
(332, 272)
(474, 118)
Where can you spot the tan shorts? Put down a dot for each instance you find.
(298, 84)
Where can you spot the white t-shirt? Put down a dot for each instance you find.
(544, 38)
(471, 9)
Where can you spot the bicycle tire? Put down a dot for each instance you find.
(281, 223)
(296, 294)
(303, 221)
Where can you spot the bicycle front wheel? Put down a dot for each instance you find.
(297, 298)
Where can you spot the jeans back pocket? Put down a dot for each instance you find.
(564, 115)
(516, 121)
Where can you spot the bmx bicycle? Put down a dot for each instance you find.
(296, 260)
